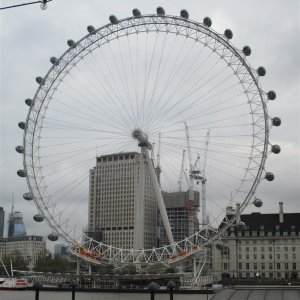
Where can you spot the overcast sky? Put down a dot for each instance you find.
(30, 36)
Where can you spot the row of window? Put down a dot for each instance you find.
(269, 249)
(285, 256)
(264, 266)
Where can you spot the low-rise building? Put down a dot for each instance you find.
(29, 247)
(268, 246)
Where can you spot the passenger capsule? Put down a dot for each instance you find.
(39, 80)
(276, 121)
(52, 237)
(113, 19)
(228, 33)
(257, 202)
(91, 29)
(27, 196)
(22, 125)
(269, 176)
(29, 102)
(207, 21)
(20, 149)
(53, 60)
(220, 246)
(271, 95)
(247, 50)
(22, 173)
(276, 149)
(184, 14)
(261, 71)
(71, 43)
(240, 225)
(160, 11)
(136, 12)
(38, 218)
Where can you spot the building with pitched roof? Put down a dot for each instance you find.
(267, 247)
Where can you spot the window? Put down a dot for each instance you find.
(263, 266)
(270, 256)
(294, 266)
(255, 266)
(254, 249)
(270, 266)
(286, 266)
(240, 266)
(247, 266)
(278, 266)
(255, 256)
(262, 256)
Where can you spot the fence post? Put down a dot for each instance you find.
(152, 287)
(37, 285)
(74, 285)
(171, 285)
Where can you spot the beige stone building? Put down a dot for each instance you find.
(268, 246)
(30, 247)
(122, 204)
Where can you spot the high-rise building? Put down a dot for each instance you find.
(60, 250)
(182, 217)
(1, 222)
(121, 195)
(16, 225)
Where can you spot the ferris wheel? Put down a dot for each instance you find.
(163, 86)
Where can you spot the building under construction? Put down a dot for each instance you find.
(182, 209)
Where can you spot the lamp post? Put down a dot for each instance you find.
(171, 285)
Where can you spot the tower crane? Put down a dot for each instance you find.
(182, 172)
(158, 168)
(203, 180)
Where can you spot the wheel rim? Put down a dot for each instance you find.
(163, 117)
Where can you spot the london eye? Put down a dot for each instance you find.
(165, 86)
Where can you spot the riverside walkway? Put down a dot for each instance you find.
(259, 293)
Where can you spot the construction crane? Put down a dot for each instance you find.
(158, 167)
(182, 172)
(203, 180)
(194, 174)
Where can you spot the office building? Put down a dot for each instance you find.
(118, 192)
(30, 248)
(1, 222)
(60, 250)
(268, 246)
(16, 225)
(182, 214)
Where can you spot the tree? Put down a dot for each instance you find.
(16, 260)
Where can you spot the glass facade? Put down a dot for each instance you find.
(16, 225)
